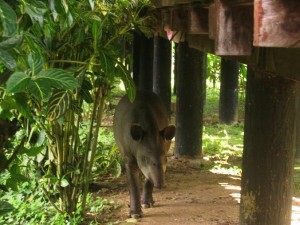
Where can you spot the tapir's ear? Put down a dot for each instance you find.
(169, 132)
(136, 132)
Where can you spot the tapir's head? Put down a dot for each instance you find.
(151, 152)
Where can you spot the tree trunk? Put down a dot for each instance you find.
(189, 102)
(162, 70)
(228, 104)
(143, 62)
(269, 144)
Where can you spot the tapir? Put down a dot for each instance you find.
(143, 135)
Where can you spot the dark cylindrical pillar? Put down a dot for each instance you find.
(189, 101)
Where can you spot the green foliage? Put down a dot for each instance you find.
(222, 144)
(223, 141)
(213, 68)
(59, 103)
(214, 71)
(8, 20)
(108, 159)
(243, 77)
(5, 208)
(61, 60)
(29, 207)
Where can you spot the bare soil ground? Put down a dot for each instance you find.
(193, 196)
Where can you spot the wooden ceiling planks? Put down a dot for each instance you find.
(235, 26)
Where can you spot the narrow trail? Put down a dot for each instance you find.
(192, 196)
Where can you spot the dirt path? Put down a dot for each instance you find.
(192, 196)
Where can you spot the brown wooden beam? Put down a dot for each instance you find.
(197, 21)
(179, 19)
(212, 21)
(233, 29)
(201, 42)
(277, 23)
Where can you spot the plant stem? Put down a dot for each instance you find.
(101, 93)
(51, 202)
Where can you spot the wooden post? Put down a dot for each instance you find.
(189, 102)
(269, 143)
(162, 69)
(143, 61)
(228, 104)
(136, 56)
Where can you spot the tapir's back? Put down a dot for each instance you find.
(147, 110)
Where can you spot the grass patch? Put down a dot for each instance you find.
(222, 144)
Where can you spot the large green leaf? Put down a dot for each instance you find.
(32, 152)
(11, 42)
(5, 208)
(34, 43)
(17, 82)
(128, 82)
(36, 10)
(84, 91)
(22, 106)
(58, 104)
(40, 89)
(8, 61)
(8, 19)
(17, 101)
(35, 62)
(86, 96)
(58, 78)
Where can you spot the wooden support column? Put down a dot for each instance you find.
(229, 90)
(269, 143)
(277, 23)
(162, 60)
(189, 101)
(143, 61)
(136, 57)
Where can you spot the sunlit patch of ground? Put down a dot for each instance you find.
(295, 220)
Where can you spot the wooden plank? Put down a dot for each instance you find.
(211, 21)
(277, 23)
(164, 3)
(233, 29)
(179, 19)
(166, 19)
(201, 42)
(198, 21)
